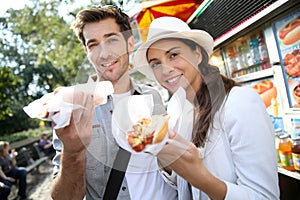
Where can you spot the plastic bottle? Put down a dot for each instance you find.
(233, 58)
(296, 153)
(295, 128)
(285, 152)
(277, 140)
(262, 48)
(254, 50)
(242, 53)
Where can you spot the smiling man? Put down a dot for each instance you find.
(88, 161)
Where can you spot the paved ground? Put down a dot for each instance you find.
(38, 183)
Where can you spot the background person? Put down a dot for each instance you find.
(86, 149)
(9, 171)
(4, 189)
(232, 153)
(46, 144)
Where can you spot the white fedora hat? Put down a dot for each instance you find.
(169, 27)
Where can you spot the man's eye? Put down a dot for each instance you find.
(154, 65)
(112, 40)
(91, 46)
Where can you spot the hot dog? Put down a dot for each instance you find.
(148, 131)
(291, 32)
(51, 103)
(266, 90)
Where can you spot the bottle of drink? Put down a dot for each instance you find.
(296, 153)
(242, 52)
(262, 48)
(254, 50)
(285, 152)
(295, 128)
(233, 59)
(277, 141)
(263, 51)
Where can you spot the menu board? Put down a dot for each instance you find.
(287, 34)
(267, 89)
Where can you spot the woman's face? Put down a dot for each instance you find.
(6, 150)
(175, 64)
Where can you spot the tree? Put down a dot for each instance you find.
(38, 52)
(9, 84)
(40, 49)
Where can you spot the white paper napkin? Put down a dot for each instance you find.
(131, 109)
(59, 104)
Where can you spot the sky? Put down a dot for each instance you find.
(19, 4)
(15, 4)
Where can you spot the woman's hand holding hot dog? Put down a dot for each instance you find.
(189, 165)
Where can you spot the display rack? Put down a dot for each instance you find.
(283, 171)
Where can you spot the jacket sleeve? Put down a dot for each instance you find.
(251, 140)
(57, 145)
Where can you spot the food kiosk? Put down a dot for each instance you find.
(257, 43)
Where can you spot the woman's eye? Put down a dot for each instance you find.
(173, 55)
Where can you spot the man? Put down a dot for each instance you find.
(87, 156)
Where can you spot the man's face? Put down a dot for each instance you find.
(107, 49)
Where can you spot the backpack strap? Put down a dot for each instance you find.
(118, 171)
(117, 174)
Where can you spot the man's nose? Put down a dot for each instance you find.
(103, 51)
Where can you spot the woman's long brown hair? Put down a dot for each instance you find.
(209, 97)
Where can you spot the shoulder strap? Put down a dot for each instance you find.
(117, 174)
(118, 171)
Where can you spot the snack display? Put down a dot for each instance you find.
(290, 33)
(292, 63)
(296, 93)
(266, 90)
(148, 131)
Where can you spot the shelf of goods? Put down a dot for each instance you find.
(283, 171)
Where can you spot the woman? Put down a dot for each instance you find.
(232, 153)
(9, 171)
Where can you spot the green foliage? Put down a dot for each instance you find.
(39, 48)
(38, 52)
(18, 136)
(9, 84)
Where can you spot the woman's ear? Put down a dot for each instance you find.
(130, 44)
(198, 54)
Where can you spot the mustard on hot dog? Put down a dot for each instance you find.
(291, 32)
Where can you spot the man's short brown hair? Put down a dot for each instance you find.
(97, 14)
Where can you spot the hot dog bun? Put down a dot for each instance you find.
(292, 37)
(266, 90)
(51, 103)
(148, 131)
(291, 32)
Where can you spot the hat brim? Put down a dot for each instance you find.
(200, 37)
